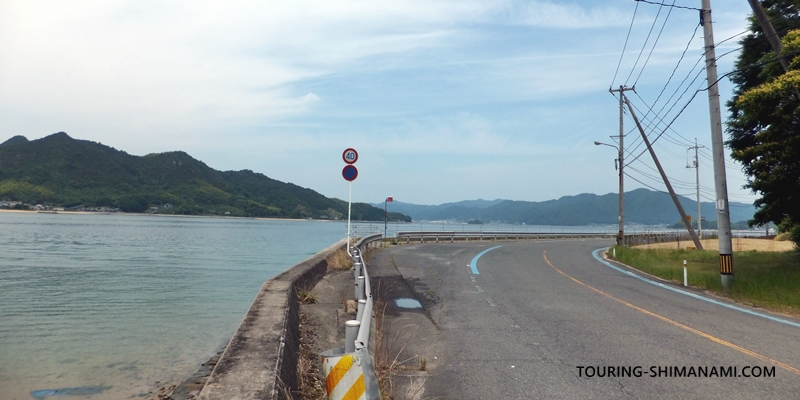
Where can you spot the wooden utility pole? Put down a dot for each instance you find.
(692, 234)
(621, 161)
(718, 151)
(696, 167)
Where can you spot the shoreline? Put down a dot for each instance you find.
(174, 215)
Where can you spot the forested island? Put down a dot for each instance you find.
(59, 171)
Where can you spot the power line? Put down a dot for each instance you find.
(647, 39)
(667, 5)
(624, 46)
(654, 44)
(694, 34)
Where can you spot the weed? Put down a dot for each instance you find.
(763, 278)
(309, 376)
(307, 296)
(423, 364)
(339, 261)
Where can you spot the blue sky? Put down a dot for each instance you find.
(444, 100)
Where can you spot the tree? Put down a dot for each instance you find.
(764, 121)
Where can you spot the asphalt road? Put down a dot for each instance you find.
(545, 319)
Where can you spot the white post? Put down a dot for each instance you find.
(360, 288)
(360, 310)
(350, 335)
(685, 283)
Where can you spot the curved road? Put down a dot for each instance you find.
(545, 319)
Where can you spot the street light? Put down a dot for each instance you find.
(620, 234)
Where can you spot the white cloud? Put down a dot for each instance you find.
(278, 86)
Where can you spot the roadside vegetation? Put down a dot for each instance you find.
(762, 278)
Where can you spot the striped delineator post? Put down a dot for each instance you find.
(349, 376)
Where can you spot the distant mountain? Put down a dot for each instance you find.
(642, 206)
(430, 213)
(62, 171)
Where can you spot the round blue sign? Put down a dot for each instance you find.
(350, 173)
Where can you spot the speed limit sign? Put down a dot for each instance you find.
(350, 156)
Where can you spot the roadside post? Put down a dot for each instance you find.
(685, 276)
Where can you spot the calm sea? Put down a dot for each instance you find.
(118, 306)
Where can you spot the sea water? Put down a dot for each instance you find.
(116, 306)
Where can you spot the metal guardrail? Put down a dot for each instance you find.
(349, 370)
(453, 236)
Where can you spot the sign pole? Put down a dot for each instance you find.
(349, 173)
(349, 203)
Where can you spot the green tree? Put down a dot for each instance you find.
(764, 120)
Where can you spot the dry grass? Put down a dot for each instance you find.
(307, 296)
(339, 261)
(739, 244)
(391, 358)
(309, 376)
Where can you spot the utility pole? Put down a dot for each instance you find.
(621, 160)
(718, 151)
(697, 172)
(664, 177)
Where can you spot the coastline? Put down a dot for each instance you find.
(173, 215)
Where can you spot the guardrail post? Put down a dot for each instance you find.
(360, 311)
(350, 335)
(356, 269)
(360, 288)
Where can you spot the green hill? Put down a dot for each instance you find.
(642, 206)
(61, 171)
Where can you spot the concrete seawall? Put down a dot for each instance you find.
(260, 362)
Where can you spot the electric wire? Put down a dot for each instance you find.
(655, 43)
(644, 45)
(630, 28)
(668, 5)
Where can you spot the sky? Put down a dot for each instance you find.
(443, 100)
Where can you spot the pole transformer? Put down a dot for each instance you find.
(718, 151)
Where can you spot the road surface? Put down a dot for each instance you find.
(546, 319)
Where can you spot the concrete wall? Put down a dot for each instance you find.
(260, 362)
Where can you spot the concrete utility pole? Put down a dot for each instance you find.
(672, 194)
(621, 160)
(718, 151)
(769, 31)
(697, 172)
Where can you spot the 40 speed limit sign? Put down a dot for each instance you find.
(350, 156)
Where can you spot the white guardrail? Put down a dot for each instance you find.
(349, 370)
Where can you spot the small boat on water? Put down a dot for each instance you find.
(47, 211)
